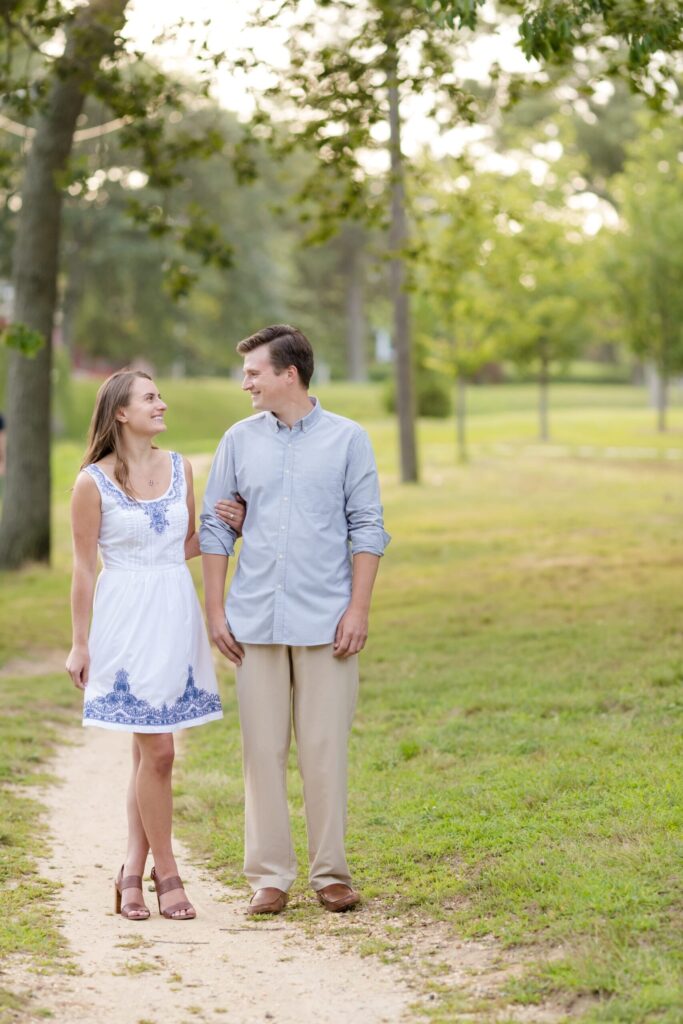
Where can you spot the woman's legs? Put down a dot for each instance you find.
(138, 844)
(155, 805)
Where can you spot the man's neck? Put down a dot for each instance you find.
(294, 411)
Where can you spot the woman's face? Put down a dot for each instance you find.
(144, 414)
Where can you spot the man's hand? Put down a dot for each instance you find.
(224, 640)
(352, 632)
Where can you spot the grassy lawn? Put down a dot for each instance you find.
(31, 711)
(515, 761)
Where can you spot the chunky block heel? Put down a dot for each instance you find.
(131, 911)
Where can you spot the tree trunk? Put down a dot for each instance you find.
(543, 381)
(74, 271)
(662, 387)
(461, 416)
(398, 235)
(356, 361)
(25, 528)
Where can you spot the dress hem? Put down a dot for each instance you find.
(176, 727)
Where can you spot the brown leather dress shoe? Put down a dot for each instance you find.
(267, 901)
(338, 897)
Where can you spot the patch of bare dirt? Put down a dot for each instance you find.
(42, 663)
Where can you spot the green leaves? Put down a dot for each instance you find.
(23, 339)
(204, 239)
(453, 13)
(550, 30)
(178, 279)
(645, 258)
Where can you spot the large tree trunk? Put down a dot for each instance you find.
(74, 264)
(398, 235)
(25, 528)
(356, 360)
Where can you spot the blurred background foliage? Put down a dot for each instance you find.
(558, 239)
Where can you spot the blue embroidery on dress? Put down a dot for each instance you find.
(121, 707)
(154, 510)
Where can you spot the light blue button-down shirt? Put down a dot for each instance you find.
(312, 502)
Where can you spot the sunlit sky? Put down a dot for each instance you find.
(227, 31)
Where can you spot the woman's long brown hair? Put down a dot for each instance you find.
(104, 434)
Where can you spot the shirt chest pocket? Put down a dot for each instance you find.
(319, 491)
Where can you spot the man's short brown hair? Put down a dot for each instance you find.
(288, 347)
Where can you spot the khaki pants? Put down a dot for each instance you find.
(276, 685)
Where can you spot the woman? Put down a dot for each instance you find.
(146, 667)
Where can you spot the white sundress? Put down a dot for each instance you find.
(151, 668)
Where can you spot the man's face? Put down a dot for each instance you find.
(268, 390)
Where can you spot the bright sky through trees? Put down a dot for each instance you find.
(227, 31)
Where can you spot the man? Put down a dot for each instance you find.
(297, 611)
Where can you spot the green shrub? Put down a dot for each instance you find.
(433, 395)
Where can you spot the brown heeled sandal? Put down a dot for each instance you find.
(139, 911)
(173, 882)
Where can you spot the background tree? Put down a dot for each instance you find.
(552, 30)
(350, 69)
(645, 258)
(92, 35)
(457, 208)
(541, 290)
(52, 90)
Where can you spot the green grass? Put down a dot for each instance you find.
(515, 759)
(200, 410)
(514, 754)
(31, 712)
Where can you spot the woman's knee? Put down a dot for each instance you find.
(158, 752)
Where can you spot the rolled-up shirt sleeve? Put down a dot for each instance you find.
(215, 536)
(363, 507)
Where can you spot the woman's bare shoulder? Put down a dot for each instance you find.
(85, 488)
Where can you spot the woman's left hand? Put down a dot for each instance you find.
(232, 512)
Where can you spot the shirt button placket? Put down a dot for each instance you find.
(280, 569)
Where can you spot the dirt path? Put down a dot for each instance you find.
(221, 967)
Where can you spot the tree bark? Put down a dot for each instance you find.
(25, 528)
(74, 262)
(662, 388)
(398, 235)
(461, 416)
(543, 381)
(356, 361)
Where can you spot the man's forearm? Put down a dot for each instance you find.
(214, 571)
(365, 566)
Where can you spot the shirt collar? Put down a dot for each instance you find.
(304, 424)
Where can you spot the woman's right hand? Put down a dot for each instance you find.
(78, 665)
(232, 512)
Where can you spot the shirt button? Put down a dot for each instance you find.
(279, 556)
(279, 586)
(285, 498)
(282, 527)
